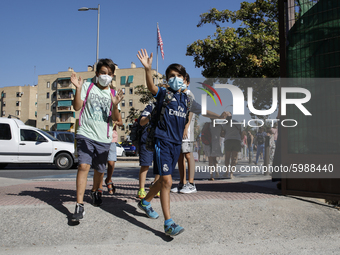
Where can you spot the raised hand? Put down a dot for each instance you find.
(118, 97)
(145, 59)
(76, 82)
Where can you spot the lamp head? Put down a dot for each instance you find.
(83, 9)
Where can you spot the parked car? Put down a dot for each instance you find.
(63, 136)
(120, 150)
(20, 143)
(130, 149)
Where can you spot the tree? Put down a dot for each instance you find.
(249, 51)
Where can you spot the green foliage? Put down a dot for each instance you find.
(249, 51)
(144, 93)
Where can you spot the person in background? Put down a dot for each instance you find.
(232, 144)
(145, 156)
(260, 141)
(250, 140)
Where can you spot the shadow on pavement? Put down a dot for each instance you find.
(116, 206)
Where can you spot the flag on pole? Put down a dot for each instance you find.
(160, 42)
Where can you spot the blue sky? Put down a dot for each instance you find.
(45, 37)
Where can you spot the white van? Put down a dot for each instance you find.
(20, 143)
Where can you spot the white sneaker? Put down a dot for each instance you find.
(178, 188)
(188, 188)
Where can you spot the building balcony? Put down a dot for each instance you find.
(65, 120)
(65, 109)
(66, 86)
(65, 96)
(64, 106)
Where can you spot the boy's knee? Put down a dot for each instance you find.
(83, 167)
(166, 182)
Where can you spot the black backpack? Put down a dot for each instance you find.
(134, 134)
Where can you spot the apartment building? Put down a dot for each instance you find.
(20, 102)
(55, 96)
(56, 93)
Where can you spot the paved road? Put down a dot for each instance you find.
(244, 215)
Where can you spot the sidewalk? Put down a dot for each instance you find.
(244, 215)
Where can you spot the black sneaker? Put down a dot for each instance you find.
(78, 213)
(96, 198)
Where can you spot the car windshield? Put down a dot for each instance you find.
(48, 135)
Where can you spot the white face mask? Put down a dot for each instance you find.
(104, 80)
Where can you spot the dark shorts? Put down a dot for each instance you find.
(232, 145)
(166, 157)
(145, 156)
(92, 153)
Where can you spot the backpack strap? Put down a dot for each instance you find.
(113, 92)
(84, 102)
(167, 99)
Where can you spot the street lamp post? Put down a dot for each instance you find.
(98, 9)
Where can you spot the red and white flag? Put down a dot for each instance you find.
(160, 42)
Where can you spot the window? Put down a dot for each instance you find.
(3, 113)
(47, 106)
(36, 104)
(130, 79)
(48, 84)
(122, 138)
(18, 103)
(123, 89)
(47, 117)
(3, 95)
(131, 91)
(19, 94)
(47, 127)
(122, 80)
(123, 115)
(29, 135)
(54, 95)
(5, 132)
(123, 103)
(35, 113)
(54, 85)
(122, 127)
(130, 102)
(48, 95)
(17, 113)
(53, 118)
(3, 104)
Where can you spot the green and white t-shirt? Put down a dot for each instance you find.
(95, 114)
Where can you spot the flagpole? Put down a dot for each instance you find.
(157, 58)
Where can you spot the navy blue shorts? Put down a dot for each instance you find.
(145, 156)
(166, 156)
(92, 153)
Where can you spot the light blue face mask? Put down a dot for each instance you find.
(175, 83)
(184, 86)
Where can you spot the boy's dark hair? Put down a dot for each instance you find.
(176, 67)
(187, 77)
(106, 62)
